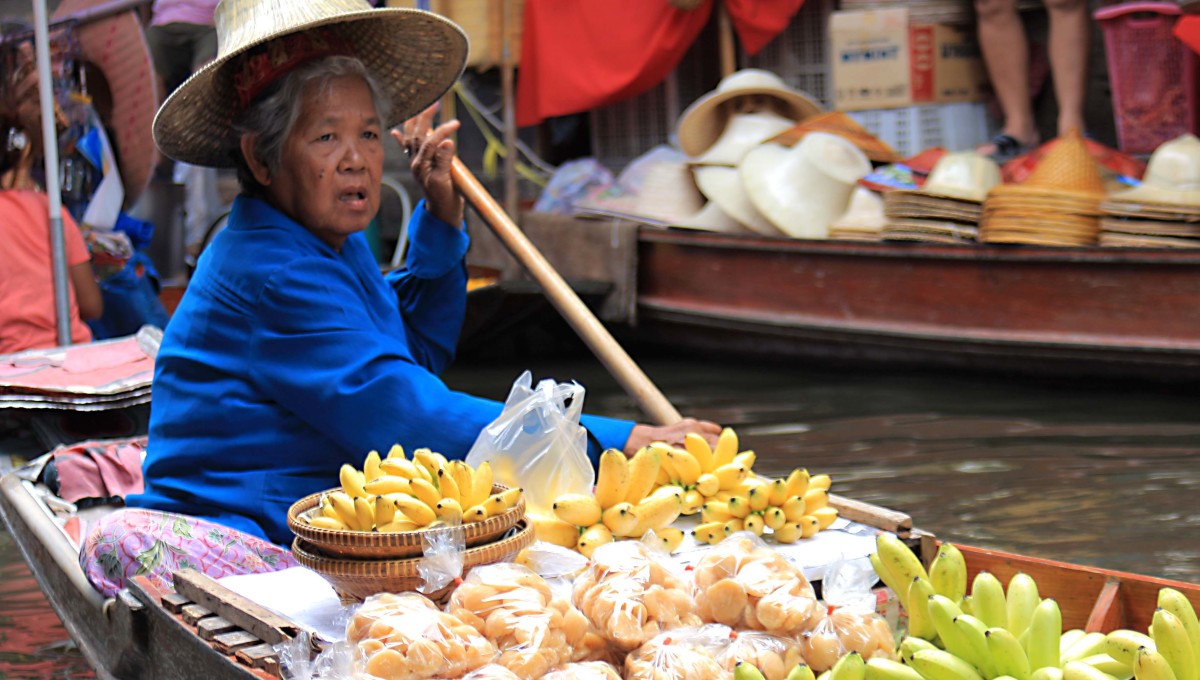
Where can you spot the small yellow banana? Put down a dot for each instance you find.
(578, 509)
(727, 447)
(739, 506)
(447, 485)
(820, 482)
(343, 505)
(729, 476)
(449, 511)
(754, 523)
(671, 538)
(716, 511)
(620, 519)
(708, 484)
(554, 530)
(797, 482)
(396, 453)
(504, 501)
(594, 537)
(809, 526)
(656, 512)
(746, 459)
(825, 516)
(815, 498)
(698, 446)
(643, 474)
(425, 492)
(709, 532)
(464, 478)
(352, 481)
(481, 484)
(774, 518)
(364, 512)
(398, 526)
(734, 525)
(612, 478)
(371, 466)
(693, 500)
(414, 509)
(385, 510)
(790, 532)
(759, 498)
(388, 484)
(401, 467)
(793, 508)
(323, 522)
(475, 513)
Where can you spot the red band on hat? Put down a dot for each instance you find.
(268, 62)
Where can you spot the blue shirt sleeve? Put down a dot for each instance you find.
(431, 289)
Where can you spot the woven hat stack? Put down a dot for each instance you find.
(842, 125)
(1164, 211)
(863, 220)
(948, 207)
(1058, 205)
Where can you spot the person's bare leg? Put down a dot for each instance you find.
(1070, 30)
(1006, 55)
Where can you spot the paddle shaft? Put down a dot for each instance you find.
(611, 354)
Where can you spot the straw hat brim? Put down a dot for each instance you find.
(416, 56)
(700, 125)
(1154, 195)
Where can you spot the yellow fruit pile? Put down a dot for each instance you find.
(626, 504)
(397, 494)
(793, 508)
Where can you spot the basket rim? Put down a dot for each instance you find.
(346, 538)
(348, 568)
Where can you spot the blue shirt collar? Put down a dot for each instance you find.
(254, 213)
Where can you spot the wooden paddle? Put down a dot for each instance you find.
(564, 299)
(611, 354)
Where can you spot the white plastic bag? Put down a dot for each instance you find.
(537, 443)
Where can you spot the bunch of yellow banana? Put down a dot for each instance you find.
(397, 494)
(625, 504)
(792, 508)
(700, 471)
(990, 632)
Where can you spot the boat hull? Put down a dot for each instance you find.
(1122, 312)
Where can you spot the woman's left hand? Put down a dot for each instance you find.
(430, 151)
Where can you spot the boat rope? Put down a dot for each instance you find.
(536, 171)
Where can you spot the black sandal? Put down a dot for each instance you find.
(1007, 148)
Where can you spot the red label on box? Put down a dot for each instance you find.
(922, 54)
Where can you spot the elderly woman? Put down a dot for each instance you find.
(290, 354)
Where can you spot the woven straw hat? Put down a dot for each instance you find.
(842, 125)
(711, 218)
(668, 193)
(702, 123)
(743, 132)
(723, 186)
(1067, 168)
(1172, 175)
(964, 175)
(804, 188)
(865, 212)
(416, 56)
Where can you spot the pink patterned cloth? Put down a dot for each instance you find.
(135, 542)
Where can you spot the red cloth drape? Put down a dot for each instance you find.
(581, 54)
(1187, 29)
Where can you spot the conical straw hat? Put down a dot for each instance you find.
(1067, 167)
(804, 188)
(743, 132)
(416, 56)
(702, 123)
(842, 125)
(711, 218)
(1172, 175)
(723, 186)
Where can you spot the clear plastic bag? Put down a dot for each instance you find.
(774, 656)
(586, 670)
(558, 565)
(631, 595)
(851, 623)
(537, 443)
(406, 637)
(745, 584)
(682, 654)
(492, 671)
(515, 609)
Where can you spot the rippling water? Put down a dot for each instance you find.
(1102, 474)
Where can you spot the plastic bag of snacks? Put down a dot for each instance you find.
(587, 670)
(681, 654)
(406, 637)
(744, 584)
(492, 671)
(558, 565)
(630, 596)
(851, 624)
(772, 655)
(515, 609)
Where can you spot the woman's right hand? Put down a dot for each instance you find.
(641, 435)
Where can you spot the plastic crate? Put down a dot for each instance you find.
(800, 55)
(912, 129)
(1152, 74)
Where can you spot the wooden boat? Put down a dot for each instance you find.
(206, 631)
(1068, 311)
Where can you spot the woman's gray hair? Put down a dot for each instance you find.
(271, 116)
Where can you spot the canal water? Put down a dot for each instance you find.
(1097, 473)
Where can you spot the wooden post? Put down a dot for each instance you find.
(511, 204)
(725, 40)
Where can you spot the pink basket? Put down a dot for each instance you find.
(1152, 74)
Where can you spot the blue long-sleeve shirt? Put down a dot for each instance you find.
(287, 358)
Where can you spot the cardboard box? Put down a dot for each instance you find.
(482, 20)
(882, 61)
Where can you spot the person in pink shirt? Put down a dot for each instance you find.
(181, 38)
(27, 313)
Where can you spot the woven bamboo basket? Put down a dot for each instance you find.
(388, 546)
(355, 580)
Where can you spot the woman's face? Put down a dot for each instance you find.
(332, 161)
